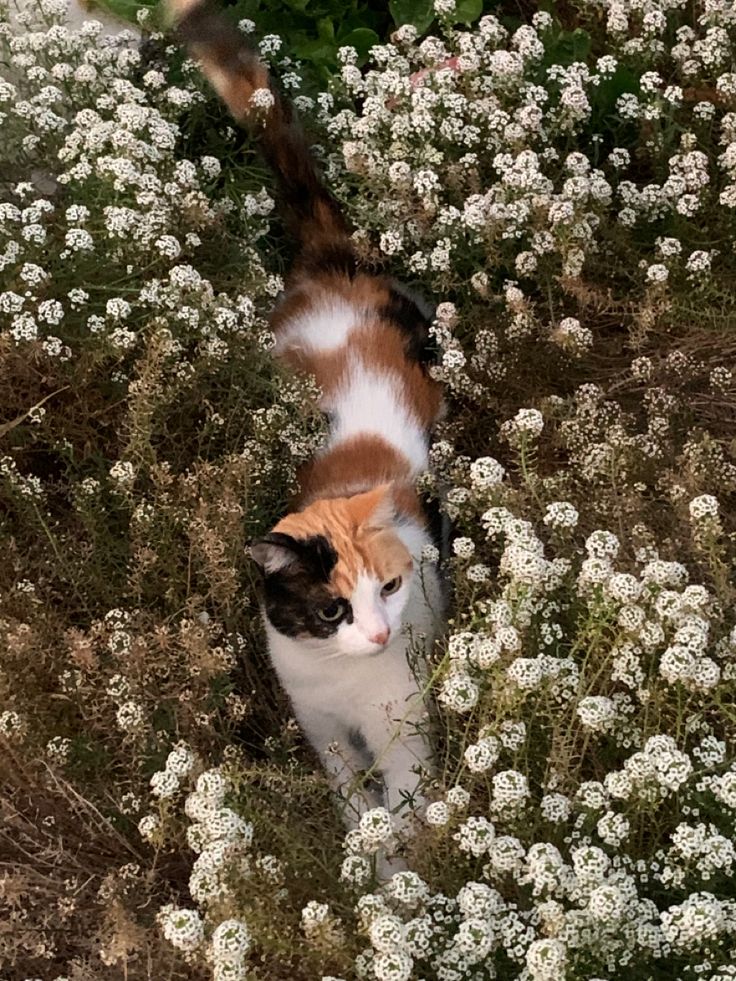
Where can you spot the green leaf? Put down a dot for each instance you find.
(126, 9)
(467, 11)
(326, 29)
(362, 39)
(317, 50)
(418, 13)
(568, 46)
(604, 96)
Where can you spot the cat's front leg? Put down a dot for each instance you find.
(404, 764)
(343, 756)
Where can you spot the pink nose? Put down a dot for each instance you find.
(380, 638)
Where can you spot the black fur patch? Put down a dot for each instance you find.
(436, 524)
(204, 25)
(357, 741)
(293, 595)
(414, 326)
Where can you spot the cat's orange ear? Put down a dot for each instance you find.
(372, 509)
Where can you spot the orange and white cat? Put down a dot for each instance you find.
(345, 590)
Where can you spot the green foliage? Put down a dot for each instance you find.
(314, 30)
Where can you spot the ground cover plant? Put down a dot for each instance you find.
(563, 184)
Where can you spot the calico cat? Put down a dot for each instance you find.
(345, 591)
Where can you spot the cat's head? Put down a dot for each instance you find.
(337, 575)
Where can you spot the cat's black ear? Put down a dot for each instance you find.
(275, 552)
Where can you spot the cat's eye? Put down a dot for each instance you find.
(392, 586)
(332, 612)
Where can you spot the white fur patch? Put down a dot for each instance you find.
(370, 402)
(324, 327)
(370, 616)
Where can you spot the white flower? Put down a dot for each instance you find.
(590, 864)
(464, 548)
(613, 828)
(180, 760)
(475, 835)
(149, 827)
(231, 938)
(457, 798)
(12, 726)
(355, 870)
(314, 916)
(602, 545)
(58, 749)
(571, 334)
(394, 966)
(657, 273)
(164, 784)
(481, 756)
(555, 807)
(698, 263)
(130, 716)
(705, 506)
(597, 713)
(183, 928)
(376, 826)
(437, 813)
(386, 933)
(223, 824)
(200, 807)
(477, 900)
(459, 693)
(485, 472)
(546, 960)
(606, 904)
(122, 472)
(213, 785)
(526, 672)
(724, 788)
(529, 422)
(561, 514)
(699, 919)
(407, 888)
(510, 790)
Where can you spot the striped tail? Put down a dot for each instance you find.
(236, 72)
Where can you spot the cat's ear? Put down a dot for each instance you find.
(374, 508)
(275, 552)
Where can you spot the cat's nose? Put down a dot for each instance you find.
(382, 637)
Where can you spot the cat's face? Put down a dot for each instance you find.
(337, 576)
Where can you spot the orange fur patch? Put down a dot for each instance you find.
(355, 527)
(348, 467)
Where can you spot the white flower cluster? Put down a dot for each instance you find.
(183, 928)
(179, 764)
(374, 836)
(130, 201)
(222, 840)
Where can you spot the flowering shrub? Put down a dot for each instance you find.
(567, 197)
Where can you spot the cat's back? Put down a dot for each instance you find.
(367, 343)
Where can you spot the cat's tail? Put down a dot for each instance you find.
(241, 79)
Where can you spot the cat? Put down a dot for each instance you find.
(345, 590)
